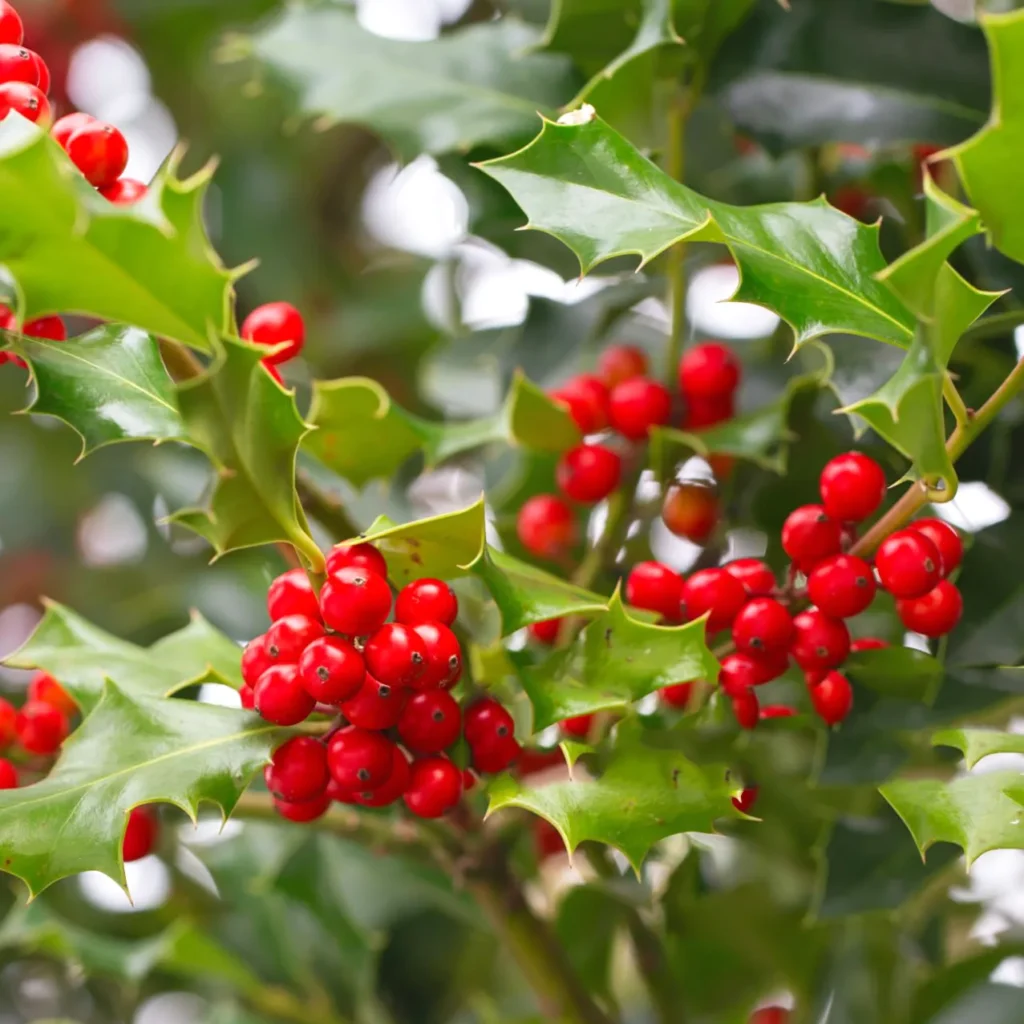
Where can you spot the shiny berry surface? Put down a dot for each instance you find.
(586, 397)
(746, 799)
(395, 654)
(495, 757)
(809, 535)
(331, 669)
(8, 774)
(298, 769)
(636, 405)
(832, 698)
(276, 324)
(43, 687)
(946, 539)
(17, 65)
(621, 362)
(655, 588)
(841, 586)
(430, 721)
(49, 328)
(746, 709)
(678, 695)
(588, 473)
(355, 601)
(435, 787)
(756, 576)
(292, 594)
(704, 413)
(443, 657)
(579, 726)
(289, 637)
(308, 810)
(868, 643)
(40, 727)
(908, 563)
(359, 760)
(140, 834)
(375, 705)
(280, 696)
(255, 660)
(708, 371)
(763, 625)
(8, 722)
(545, 632)
(852, 487)
(363, 556)
(28, 100)
(691, 510)
(487, 721)
(395, 786)
(66, 126)
(714, 591)
(933, 614)
(819, 641)
(124, 191)
(546, 526)
(11, 29)
(739, 672)
(100, 152)
(426, 600)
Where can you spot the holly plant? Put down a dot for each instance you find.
(626, 656)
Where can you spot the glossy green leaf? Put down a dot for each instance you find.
(900, 672)
(975, 744)
(250, 428)
(108, 385)
(587, 186)
(129, 751)
(536, 421)
(475, 85)
(71, 251)
(82, 656)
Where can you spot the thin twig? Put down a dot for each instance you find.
(953, 400)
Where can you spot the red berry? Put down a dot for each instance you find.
(298, 769)
(28, 100)
(8, 775)
(363, 556)
(247, 696)
(280, 696)
(17, 64)
(770, 1015)
(289, 637)
(832, 698)
(49, 328)
(545, 526)
(8, 321)
(469, 780)
(255, 660)
(100, 152)
(763, 625)
(868, 643)
(45, 688)
(808, 536)
(375, 705)
(395, 654)
(359, 760)
(43, 71)
(908, 563)
(704, 413)
(739, 672)
(435, 787)
(426, 600)
(292, 594)
(745, 800)
(714, 591)
(444, 657)
(934, 614)
(11, 29)
(746, 708)
(533, 761)
(487, 722)
(308, 810)
(946, 540)
(655, 588)
(777, 711)
(621, 362)
(587, 399)
(841, 586)
(66, 126)
(140, 834)
(8, 723)
(852, 200)
(677, 695)
(273, 324)
(41, 727)
(355, 601)
(588, 473)
(708, 371)
(636, 405)
(331, 669)
(124, 191)
(579, 726)
(272, 371)
(757, 578)
(545, 632)
(491, 758)
(691, 510)
(430, 721)
(396, 785)
(771, 664)
(852, 487)
(819, 642)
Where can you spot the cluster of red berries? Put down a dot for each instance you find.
(621, 397)
(386, 682)
(38, 727)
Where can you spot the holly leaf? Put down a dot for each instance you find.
(975, 744)
(814, 266)
(72, 251)
(108, 385)
(83, 656)
(643, 795)
(129, 751)
(535, 421)
(249, 427)
(474, 85)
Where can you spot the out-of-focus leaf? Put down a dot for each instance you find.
(957, 980)
(588, 921)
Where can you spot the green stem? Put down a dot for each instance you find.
(620, 507)
(953, 400)
(675, 259)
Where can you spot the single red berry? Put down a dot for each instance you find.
(832, 698)
(426, 600)
(125, 191)
(579, 726)
(808, 536)
(247, 696)
(255, 660)
(704, 413)
(280, 696)
(444, 657)
(435, 787)
(756, 576)
(908, 563)
(375, 705)
(819, 642)
(66, 126)
(396, 785)
(546, 526)
(655, 588)
(868, 643)
(469, 780)
(494, 757)
(362, 555)
(691, 510)
(621, 362)
(762, 626)
(273, 324)
(292, 594)
(771, 664)
(852, 487)
(8, 774)
(395, 654)
(708, 371)
(289, 637)
(28, 100)
(355, 601)
(636, 405)
(777, 711)
(770, 1015)
(41, 727)
(298, 769)
(739, 672)
(935, 613)
(588, 473)
(430, 721)
(8, 723)
(48, 328)
(677, 695)
(308, 810)
(746, 708)
(45, 688)
(946, 540)
(841, 586)
(100, 152)
(714, 591)
(43, 71)
(8, 321)
(487, 721)
(17, 64)
(587, 400)
(533, 761)
(545, 632)
(746, 799)
(12, 31)
(140, 834)
(852, 200)
(331, 669)
(359, 760)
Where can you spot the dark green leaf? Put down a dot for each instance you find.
(588, 922)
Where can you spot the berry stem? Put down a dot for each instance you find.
(954, 401)
(675, 258)
(620, 508)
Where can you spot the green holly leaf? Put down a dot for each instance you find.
(129, 751)
(82, 657)
(814, 266)
(475, 85)
(975, 744)
(250, 428)
(108, 385)
(642, 796)
(71, 251)
(535, 421)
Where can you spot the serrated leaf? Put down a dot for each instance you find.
(475, 85)
(83, 657)
(72, 251)
(250, 428)
(129, 751)
(536, 421)
(108, 385)
(814, 266)
(975, 744)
